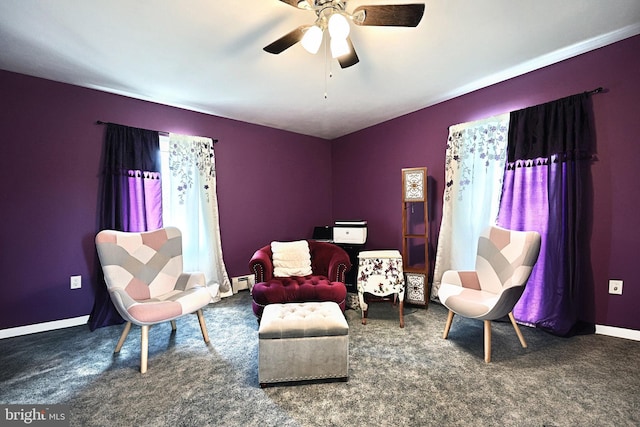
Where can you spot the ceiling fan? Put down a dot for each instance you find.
(331, 15)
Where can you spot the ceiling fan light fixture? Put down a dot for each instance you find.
(332, 16)
(338, 26)
(312, 39)
(339, 47)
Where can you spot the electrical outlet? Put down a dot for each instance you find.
(76, 282)
(615, 287)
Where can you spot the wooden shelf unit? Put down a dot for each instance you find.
(415, 235)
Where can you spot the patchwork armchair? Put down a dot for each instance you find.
(301, 271)
(144, 276)
(504, 262)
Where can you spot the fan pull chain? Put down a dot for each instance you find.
(330, 74)
(327, 68)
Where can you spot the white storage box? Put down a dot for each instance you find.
(301, 342)
(354, 233)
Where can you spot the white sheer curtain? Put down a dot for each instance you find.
(190, 203)
(474, 170)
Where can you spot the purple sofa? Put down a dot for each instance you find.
(329, 263)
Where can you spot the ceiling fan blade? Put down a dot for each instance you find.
(297, 3)
(396, 15)
(286, 41)
(350, 58)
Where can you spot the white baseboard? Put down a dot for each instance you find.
(43, 327)
(630, 334)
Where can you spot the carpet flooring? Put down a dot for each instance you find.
(408, 377)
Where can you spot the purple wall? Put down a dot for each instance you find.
(51, 150)
(49, 164)
(373, 158)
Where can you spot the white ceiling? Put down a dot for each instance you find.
(207, 55)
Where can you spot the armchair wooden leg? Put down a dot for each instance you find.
(144, 348)
(518, 332)
(401, 308)
(487, 341)
(123, 337)
(447, 327)
(203, 326)
(174, 327)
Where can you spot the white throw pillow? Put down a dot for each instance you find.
(291, 258)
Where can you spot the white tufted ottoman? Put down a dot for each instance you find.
(302, 341)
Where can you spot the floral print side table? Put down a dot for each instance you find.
(380, 273)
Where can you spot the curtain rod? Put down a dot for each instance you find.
(596, 90)
(163, 133)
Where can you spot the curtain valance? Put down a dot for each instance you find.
(560, 126)
(128, 148)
